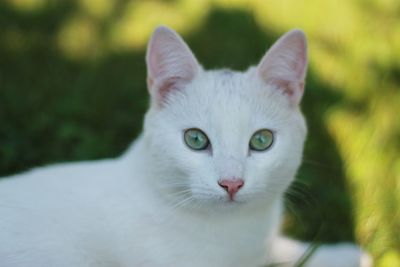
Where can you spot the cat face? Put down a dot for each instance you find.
(224, 136)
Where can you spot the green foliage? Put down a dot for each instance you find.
(72, 87)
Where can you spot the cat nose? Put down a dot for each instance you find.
(231, 186)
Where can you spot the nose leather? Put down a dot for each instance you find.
(231, 186)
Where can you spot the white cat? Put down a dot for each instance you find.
(202, 186)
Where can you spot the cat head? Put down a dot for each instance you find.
(223, 136)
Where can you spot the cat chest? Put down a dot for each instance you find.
(202, 244)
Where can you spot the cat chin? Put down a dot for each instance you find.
(223, 202)
(215, 206)
(222, 207)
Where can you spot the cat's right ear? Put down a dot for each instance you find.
(170, 63)
(285, 65)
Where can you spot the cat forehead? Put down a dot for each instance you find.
(225, 87)
(228, 97)
(233, 90)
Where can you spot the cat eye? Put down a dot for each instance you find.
(196, 139)
(261, 140)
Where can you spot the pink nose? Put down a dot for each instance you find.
(231, 186)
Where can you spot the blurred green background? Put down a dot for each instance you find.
(72, 87)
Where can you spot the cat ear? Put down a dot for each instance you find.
(285, 65)
(170, 63)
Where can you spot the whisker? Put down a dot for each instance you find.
(173, 185)
(321, 165)
(181, 192)
(300, 191)
(182, 203)
(292, 209)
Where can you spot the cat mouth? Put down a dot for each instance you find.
(231, 201)
(222, 200)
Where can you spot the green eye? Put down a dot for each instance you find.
(196, 139)
(261, 140)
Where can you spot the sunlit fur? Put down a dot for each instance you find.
(160, 204)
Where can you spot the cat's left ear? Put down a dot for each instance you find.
(170, 63)
(285, 65)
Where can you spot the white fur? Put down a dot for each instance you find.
(160, 204)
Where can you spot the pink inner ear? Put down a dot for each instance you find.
(170, 63)
(285, 64)
(286, 86)
(298, 66)
(165, 86)
(168, 85)
(289, 87)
